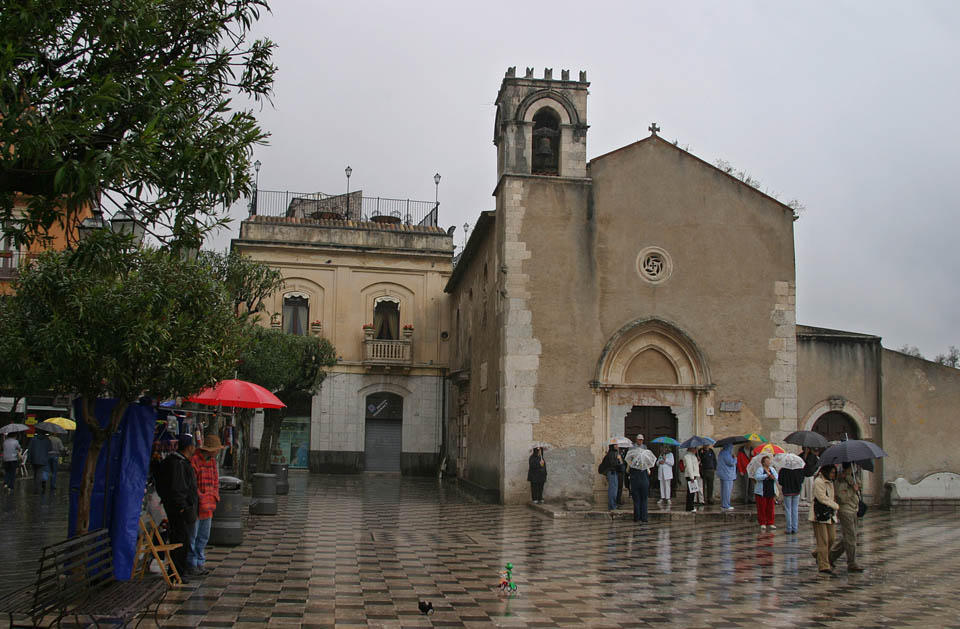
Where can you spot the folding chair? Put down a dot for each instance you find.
(150, 545)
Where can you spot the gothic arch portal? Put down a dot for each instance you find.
(668, 342)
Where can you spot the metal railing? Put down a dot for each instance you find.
(353, 206)
(12, 261)
(383, 352)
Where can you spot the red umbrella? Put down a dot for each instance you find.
(237, 393)
(768, 448)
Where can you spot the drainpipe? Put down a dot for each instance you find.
(878, 428)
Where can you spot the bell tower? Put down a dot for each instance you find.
(541, 125)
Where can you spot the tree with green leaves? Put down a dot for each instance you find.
(289, 365)
(108, 321)
(128, 102)
(248, 281)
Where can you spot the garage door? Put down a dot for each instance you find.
(383, 442)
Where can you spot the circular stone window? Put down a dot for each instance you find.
(654, 265)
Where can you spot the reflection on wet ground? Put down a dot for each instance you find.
(362, 550)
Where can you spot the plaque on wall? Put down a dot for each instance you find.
(731, 406)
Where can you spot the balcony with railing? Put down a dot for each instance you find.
(345, 207)
(12, 261)
(386, 353)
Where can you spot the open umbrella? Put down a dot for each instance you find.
(51, 428)
(755, 437)
(543, 445)
(14, 428)
(670, 441)
(788, 461)
(239, 394)
(807, 439)
(730, 441)
(754, 463)
(63, 422)
(696, 441)
(621, 442)
(851, 451)
(768, 448)
(640, 458)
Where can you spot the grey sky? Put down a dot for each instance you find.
(849, 107)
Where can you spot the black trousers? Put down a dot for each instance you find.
(707, 480)
(690, 497)
(536, 490)
(640, 492)
(181, 531)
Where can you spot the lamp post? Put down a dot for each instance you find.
(256, 188)
(436, 194)
(125, 222)
(348, 171)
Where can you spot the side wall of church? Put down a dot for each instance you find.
(474, 444)
(920, 436)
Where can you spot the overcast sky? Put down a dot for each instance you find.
(850, 107)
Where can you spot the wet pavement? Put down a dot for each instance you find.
(363, 550)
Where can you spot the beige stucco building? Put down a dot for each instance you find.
(368, 274)
(648, 291)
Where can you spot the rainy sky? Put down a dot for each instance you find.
(849, 107)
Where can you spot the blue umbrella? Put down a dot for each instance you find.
(670, 441)
(696, 441)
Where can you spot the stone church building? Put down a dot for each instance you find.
(643, 291)
(646, 291)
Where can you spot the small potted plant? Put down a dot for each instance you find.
(368, 331)
(408, 330)
(316, 327)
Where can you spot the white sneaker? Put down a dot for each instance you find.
(773, 528)
(763, 527)
(727, 508)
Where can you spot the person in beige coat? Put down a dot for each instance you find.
(824, 532)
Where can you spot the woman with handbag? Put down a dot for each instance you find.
(823, 515)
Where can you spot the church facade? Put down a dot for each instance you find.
(644, 291)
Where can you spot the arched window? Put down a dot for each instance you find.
(836, 426)
(546, 142)
(296, 311)
(386, 319)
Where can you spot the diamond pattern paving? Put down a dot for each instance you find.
(363, 550)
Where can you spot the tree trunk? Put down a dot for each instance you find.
(86, 483)
(243, 455)
(272, 420)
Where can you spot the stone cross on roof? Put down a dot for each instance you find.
(653, 128)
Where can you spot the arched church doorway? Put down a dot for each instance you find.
(836, 426)
(653, 422)
(383, 432)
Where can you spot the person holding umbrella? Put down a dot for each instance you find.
(743, 460)
(640, 460)
(727, 473)
(665, 464)
(38, 455)
(848, 498)
(823, 515)
(11, 459)
(536, 474)
(766, 492)
(691, 470)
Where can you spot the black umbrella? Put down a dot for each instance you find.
(851, 451)
(731, 441)
(807, 439)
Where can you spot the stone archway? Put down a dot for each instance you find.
(650, 362)
(834, 404)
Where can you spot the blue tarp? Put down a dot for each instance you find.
(129, 452)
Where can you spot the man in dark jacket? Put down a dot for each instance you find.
(177, 487)
(708, 469)
(38, 455)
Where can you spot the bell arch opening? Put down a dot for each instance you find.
(546, 142)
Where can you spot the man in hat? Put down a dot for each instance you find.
(177, 486)
(204, 462)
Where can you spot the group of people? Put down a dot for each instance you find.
(188, 483)
(43, 454)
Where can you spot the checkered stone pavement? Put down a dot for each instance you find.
(363, 550)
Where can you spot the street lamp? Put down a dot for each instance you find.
(91, 224)
(348, 171)
(124, 222)
(436, 195)
(256, 188)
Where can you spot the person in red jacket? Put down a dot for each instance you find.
(204, 463)
(743, 459)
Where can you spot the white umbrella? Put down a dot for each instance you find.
(640, 458)
(754, 463)
(543, 445)
(788, 460)
(621, 442)
(14, 428)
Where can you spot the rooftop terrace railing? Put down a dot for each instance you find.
(353, 206)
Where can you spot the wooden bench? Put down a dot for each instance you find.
(75, 578)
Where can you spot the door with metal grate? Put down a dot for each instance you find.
(383, 443)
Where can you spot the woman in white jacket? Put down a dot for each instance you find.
(665, 472)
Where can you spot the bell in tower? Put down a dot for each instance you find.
(546, 136)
